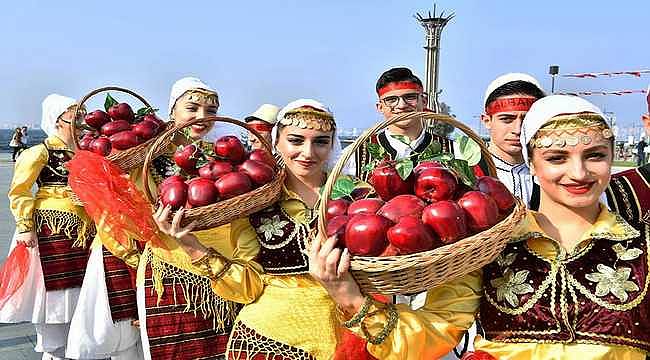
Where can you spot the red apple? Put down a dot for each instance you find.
(497, 191)
(365, 234)
(402, 205)
(447, 219)
(410, 235)
(263, 156)
(97, 119)
(387, 182)
(230, 148)
(482, 211)
(101, 146)
(154, 119)
(215, 169)
(390, 251)
(435, 184)
(336, 226)
(187, 157)
(259, 172)
(233, 184)
(121, 111)
(114, 127)
(146, 129)
(365, 206)
(201, 192)
(125, 140)
(174, 195)
(336, 208)
(360, 193)
(168, 181)
(425, 165)
(84, 143)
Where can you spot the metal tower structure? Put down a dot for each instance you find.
(433, 25)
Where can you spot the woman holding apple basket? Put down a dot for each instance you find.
(572, 281)
(54, 228)
(287, 314)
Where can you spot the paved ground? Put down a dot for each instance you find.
(17, 340)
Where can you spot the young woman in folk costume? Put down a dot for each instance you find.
(287, 314)
(572, 282)
(180, 317)
(53, 227)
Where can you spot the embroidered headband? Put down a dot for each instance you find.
(209, 97)
(307, 117)
(509, 104)
(571, 130)
(398, 85)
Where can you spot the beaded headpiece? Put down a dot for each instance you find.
(307, 117)
(571, 130)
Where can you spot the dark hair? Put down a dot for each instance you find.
(514, 88)
(395, 75)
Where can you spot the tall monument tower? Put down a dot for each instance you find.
(433, 25)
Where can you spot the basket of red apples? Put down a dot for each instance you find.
(120, 134)
(418, 222)
(219, 184)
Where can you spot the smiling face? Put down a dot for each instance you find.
(304, 151)
(195, 104)
(573, 175)
(400, 101)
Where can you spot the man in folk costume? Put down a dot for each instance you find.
(53, 227)
(507, 100)
(629, 191)
(399, 91)
(262, 120)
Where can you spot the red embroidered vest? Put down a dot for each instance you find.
(597, 295)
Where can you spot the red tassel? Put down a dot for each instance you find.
(477, 355)
(13, 272)
(108, 193)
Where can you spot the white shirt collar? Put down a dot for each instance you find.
(401, 148)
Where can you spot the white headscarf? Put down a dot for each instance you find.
(182, 86)
(335, 154)
(54, 106)
(506, 78)
(544, 109)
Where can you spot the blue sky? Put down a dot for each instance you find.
(333, 51)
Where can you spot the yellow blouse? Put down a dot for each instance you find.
(22, 201)
(292, 309)
(433, 330)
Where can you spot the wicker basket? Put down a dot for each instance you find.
(225, 211)
(129, 158)
(414, 273)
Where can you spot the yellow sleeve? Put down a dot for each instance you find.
(21, 199)
(130, 256)
(237, 278)
(429, 332)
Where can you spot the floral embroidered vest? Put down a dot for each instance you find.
(54, 173)
(598, 295)
(283, 241)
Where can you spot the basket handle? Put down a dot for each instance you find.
(86, 97)
(173, 130)
(365, 136)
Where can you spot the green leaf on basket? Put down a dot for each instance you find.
(404, 168)
(403, 139)
(144, 111)
(376, 151)
(430, 152)
(444, 158)
(109, 102)
(469, 149)
(464, 171)
(342, 187)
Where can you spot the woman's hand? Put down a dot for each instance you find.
(188, 241)
(330, 266)
(30, 239)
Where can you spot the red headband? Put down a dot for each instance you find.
(261, 127)
(398, 85)
(509, 104)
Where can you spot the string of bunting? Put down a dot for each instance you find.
(636, 73)
(598, 92)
